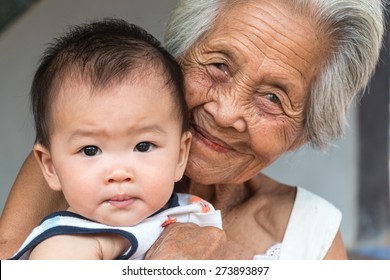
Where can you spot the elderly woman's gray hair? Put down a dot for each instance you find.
(354, 29)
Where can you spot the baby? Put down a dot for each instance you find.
(112, 135)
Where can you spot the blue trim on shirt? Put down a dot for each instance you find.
(62, 230)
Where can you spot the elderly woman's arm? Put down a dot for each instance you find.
(29, 201)
(337, 250)
(189, 242)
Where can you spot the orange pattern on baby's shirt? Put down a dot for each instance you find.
(169, 221)
(204, 206)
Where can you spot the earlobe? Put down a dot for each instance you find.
(185, 146)
(43, 156)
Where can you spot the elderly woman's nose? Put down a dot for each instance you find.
(226, 113)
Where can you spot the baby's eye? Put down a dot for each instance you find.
(91, 151)
(143, 147)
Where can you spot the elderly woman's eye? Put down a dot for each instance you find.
(219, 72)
(222, 67)
(273, 98)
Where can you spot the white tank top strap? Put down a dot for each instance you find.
(312, 227)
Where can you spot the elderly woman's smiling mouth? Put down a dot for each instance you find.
(210, 141)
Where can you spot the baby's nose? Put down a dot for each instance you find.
(119, 176)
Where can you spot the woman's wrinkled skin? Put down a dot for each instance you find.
(247, 86)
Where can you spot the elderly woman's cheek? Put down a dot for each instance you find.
(292, 133)
(196, 86)
(271, 137)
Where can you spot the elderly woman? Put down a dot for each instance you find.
(262, 78)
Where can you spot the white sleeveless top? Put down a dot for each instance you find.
(312, 227)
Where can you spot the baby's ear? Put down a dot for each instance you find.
(43, 156)
(185, 145)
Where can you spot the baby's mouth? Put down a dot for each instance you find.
(121, 201)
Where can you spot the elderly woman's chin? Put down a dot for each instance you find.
(211, 167)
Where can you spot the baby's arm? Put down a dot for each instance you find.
(81, 247)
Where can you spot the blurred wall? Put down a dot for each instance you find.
(332, 175)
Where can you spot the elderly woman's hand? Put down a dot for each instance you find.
(189, 242)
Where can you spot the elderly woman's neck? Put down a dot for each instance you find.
(223, 196)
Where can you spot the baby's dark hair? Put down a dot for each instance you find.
(101, 53)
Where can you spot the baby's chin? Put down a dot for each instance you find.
(120, 220)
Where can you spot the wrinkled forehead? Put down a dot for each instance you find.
(270, 27)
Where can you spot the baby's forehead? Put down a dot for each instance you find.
(117, 109)
(75, 86)
(66, 83)
(99, 84)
